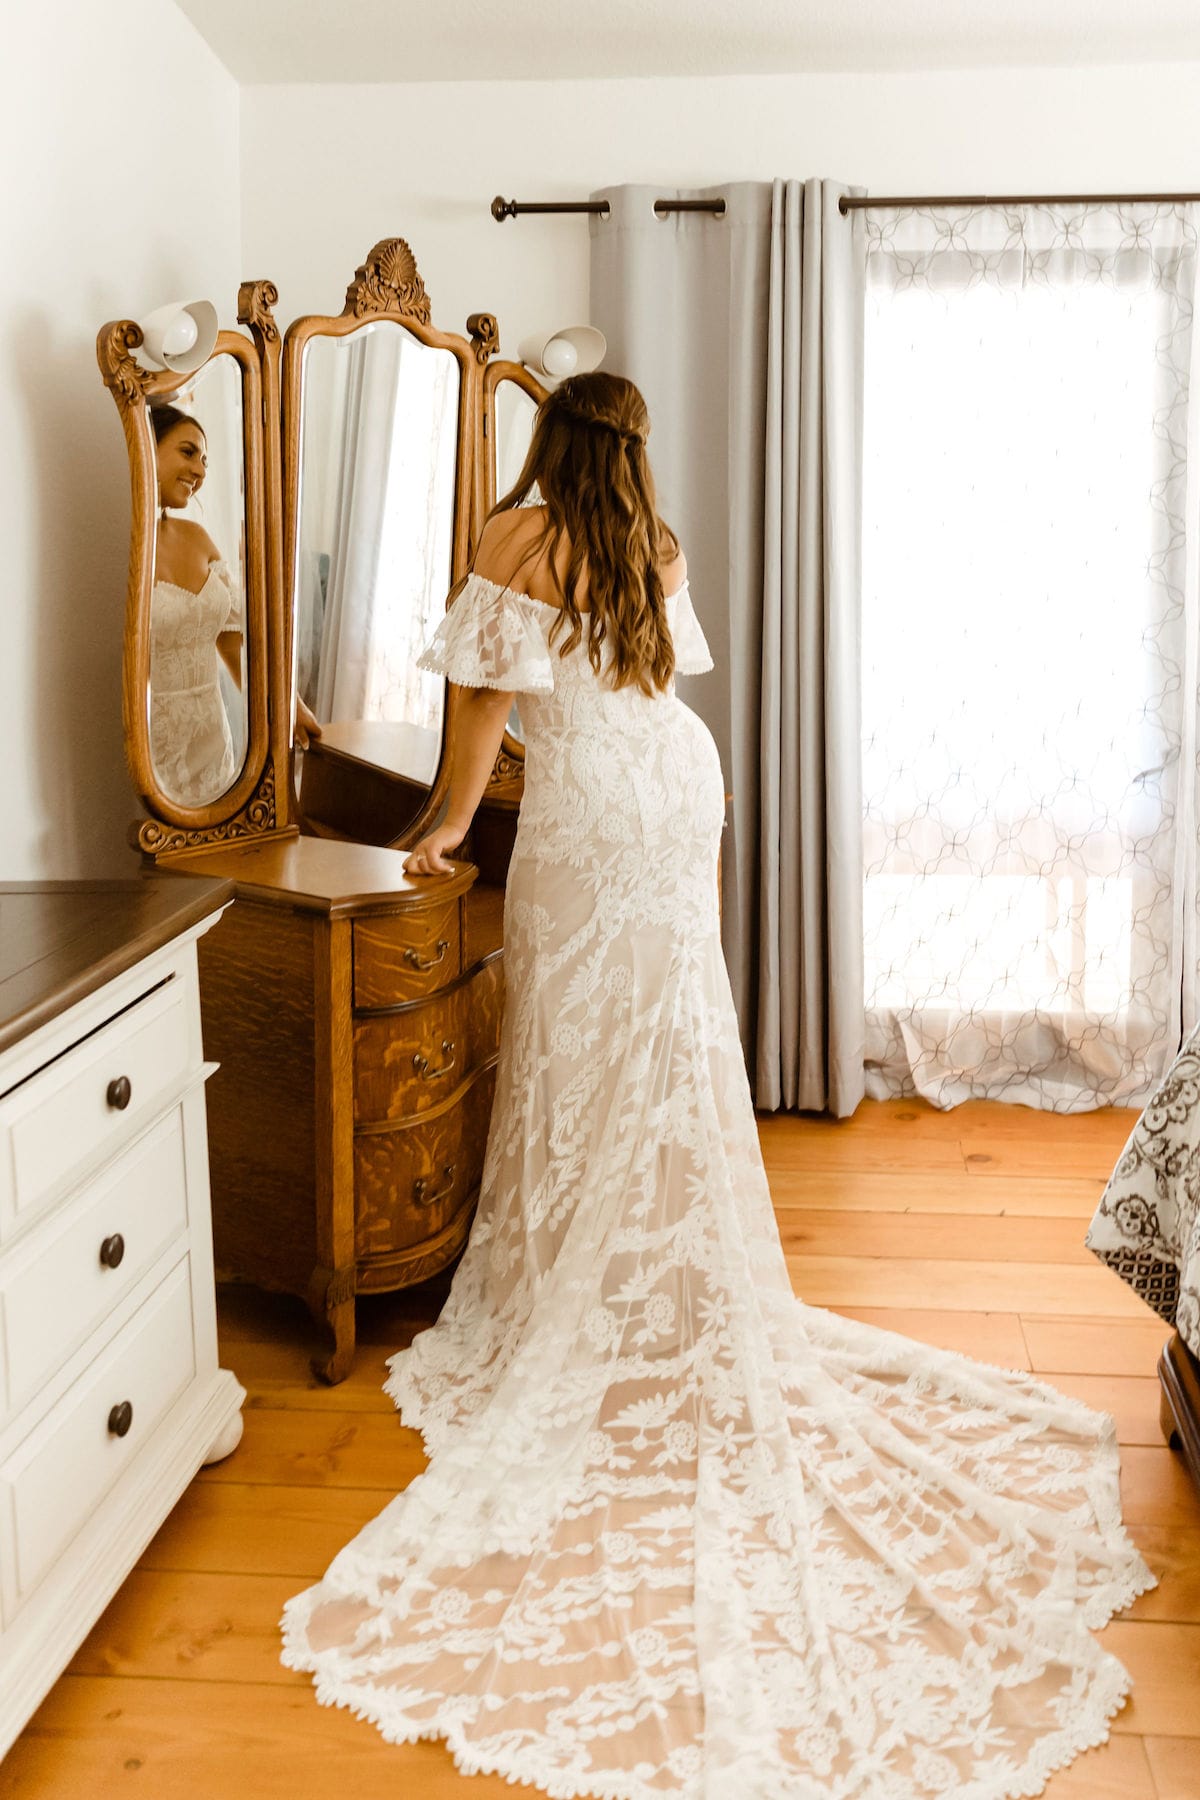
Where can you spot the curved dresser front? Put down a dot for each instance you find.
(355, 1014)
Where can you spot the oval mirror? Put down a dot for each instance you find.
(198, 673)
(515, 411)
(511, 399)
(197, 711)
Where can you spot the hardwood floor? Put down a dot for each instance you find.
(963, 1229)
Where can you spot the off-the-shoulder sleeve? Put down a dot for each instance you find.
(491, 638)
(233, 615)
(692, 654)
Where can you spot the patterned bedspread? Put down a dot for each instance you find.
(1147, 1225)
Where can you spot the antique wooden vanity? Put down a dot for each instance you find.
(354, 1012)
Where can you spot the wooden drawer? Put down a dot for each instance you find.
(411, 1181)
(52, 1483)
(54, 1288)
(69, 1115)
(406, 955)
(407, 1062)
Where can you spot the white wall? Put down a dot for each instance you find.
(119, 134)
(328, 170)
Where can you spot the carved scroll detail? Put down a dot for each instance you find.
(255, 300)
(122, 373)
(255, 818)
(484, 332)
(506, 768)
(388, 282)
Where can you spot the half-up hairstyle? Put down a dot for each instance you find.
(588, 461)
(164, 418)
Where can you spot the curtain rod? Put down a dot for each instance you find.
(511, 209)
(849, 202)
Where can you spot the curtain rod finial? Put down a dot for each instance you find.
(503, 209)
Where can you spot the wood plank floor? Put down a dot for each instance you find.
(963, 1229)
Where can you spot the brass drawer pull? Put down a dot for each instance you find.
(119, 1093)
(121, 1418)
(112, 1251)
(414, 961)
(421, 1194)
(422, 1066)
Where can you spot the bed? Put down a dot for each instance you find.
(1147, 1230)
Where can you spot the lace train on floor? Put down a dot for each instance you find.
(683, 1535)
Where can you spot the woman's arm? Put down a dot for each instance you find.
(307, 726)
(480, 715)
(229, 649)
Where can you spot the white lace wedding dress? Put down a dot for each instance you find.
(681, 1534)
(190, 740)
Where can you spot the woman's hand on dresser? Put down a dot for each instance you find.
(308, 726)
(428, 857)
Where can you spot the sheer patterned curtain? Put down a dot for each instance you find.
(1028, 682)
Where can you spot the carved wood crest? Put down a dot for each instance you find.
(388, 282)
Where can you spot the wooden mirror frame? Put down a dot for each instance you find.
(262, 803)
(386, 286)
(250, 807)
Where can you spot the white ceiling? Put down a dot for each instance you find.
(548, 40)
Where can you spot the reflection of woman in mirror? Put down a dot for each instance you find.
(195, 625)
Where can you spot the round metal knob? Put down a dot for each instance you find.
(121, 1418)
(120, 1093)
(112, 1251)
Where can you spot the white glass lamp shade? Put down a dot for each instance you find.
(553, 355)
(179, 337)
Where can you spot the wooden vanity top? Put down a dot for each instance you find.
(325, 875)
(405, 751)
(61, 940)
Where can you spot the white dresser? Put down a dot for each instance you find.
(110, 1394)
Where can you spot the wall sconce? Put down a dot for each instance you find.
(553, 355)
(179, 337)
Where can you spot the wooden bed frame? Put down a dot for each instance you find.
(1179, 1409)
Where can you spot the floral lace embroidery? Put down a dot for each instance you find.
(681, 1534)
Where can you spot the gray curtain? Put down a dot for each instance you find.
(745, 335)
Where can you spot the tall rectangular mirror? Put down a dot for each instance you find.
(379, 418)
(375, 529)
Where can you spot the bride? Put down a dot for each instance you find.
(681, 1534)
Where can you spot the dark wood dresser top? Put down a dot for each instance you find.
(61, 940)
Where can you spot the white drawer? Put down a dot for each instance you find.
(54, 1480)
(55, 1290)
(68, 1116)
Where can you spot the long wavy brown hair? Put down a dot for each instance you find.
(588, 460)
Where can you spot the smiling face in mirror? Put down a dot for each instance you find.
(197, 626)
(181, 448)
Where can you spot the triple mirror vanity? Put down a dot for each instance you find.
(302, 504)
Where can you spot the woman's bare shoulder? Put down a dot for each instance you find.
(191, 535)
(509, 542)
(674, 572)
